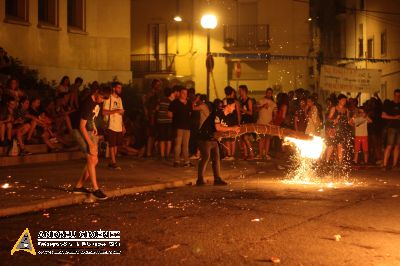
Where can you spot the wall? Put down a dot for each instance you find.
(100, 53)
(289, 32)
(374, 24)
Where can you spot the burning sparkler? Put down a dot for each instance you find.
(309, 150)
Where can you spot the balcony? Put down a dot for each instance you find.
(144, 64)
(246, 37)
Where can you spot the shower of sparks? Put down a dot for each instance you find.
(304, 160)
(5, 185)
(306, 168)
(311, 149)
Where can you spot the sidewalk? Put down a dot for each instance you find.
(43, 186)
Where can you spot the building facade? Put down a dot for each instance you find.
(261, 43)
(87, 38)
(362, 34)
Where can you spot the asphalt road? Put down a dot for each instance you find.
(248, 222)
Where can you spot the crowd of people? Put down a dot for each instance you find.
(174, 116)
(169, 119)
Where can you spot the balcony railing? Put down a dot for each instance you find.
(246, 37)
(143, 64)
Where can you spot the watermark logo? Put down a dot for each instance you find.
(24, 243)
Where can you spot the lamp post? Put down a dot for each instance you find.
(209, 22)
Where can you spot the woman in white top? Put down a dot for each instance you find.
(64, 85)
(313, 121)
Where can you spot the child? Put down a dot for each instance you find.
(360, 121)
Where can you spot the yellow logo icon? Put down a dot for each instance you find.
(24, 243)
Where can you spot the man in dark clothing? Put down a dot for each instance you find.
(208, 145)
(391, 114)
(180, 111)
(86, 135)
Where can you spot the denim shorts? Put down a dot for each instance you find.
(83, 145)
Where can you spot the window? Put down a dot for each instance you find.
(360, 47)
(361, 40)
(383, 43)
(158, 39)
(48, 12)
(17, 10)
(384, 90)
(362, 4)
(370, 48)
(76, 14)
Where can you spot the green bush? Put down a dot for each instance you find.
(28, 78)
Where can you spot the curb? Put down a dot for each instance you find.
(77, 199)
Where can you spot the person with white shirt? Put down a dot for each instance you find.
(113, 112)
(313, 120)
(360, 122)
(267, 110)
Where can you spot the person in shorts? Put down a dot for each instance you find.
(85, 133)
(391, 114)
(165, 131)
(360, 122)
(113, 112)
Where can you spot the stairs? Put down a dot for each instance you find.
(39, 154)
(34, 148)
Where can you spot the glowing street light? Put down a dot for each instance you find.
(178, 18)
(209, 22)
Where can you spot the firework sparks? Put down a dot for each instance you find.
(311, 149)
(305, 165)
(5, 186)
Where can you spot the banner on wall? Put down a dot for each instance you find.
(342, 79)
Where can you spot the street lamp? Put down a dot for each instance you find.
(178, 18)
(209, 22)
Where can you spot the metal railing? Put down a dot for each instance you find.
(143, 64)
(246, 37)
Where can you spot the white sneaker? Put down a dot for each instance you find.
(230, 158)
(194, 157)
(268, 158)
